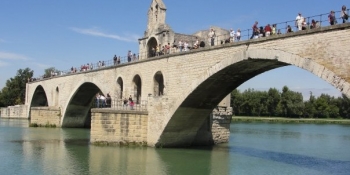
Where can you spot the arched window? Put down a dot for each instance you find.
(151, 47)
(158, 84)
(120, 88)
(137, 88)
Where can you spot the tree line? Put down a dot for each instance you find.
(289, 104)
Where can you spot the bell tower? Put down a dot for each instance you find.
(156, 15)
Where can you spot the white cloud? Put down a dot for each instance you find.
(42, 66)
(3, 64)
(96, 32)
(12, 56)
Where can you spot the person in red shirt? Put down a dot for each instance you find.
(255, 28)
(268, 30)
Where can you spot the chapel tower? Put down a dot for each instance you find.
(156, 15)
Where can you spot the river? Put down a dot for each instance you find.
(254, 149)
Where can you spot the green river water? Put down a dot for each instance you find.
(254, 149)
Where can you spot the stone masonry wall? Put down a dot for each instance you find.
(17, 112)
(220, 124)
(118, 127)
(46, 116)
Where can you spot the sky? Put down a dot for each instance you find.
(40, 33)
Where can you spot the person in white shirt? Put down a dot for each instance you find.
(185, 46)
(232, 35)
(238, 35)
(299, 21)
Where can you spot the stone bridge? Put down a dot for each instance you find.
(183, 89)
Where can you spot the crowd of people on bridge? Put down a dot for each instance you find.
(257, 32)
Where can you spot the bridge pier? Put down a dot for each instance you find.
(45, 116)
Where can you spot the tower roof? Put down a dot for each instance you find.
(161, 4)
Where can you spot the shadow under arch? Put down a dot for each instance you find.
(158, 84)
(191, 109)
(39, 97)
(78, 111)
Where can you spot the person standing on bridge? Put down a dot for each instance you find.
(299, 21)
(331, 18)
(254, 28)
(343, 14)
(129, 56)
(212, 36)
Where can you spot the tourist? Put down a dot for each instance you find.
(238, 35)
(267, 30)
(153, 54)
(115, 59)
(125, 102)
(304, 24)
(299, 21)
(134, 57)
(232, 35)
(212, 36)
(97, 100)
(168, 48)
(180, 45)
(118, 60)
(273, 30)
(289, 29)
(343, 14)
(261, 32)
(158, 50)
(99, 64)
(254, 29)
(331, 18)
(91, 66)
(102, 101)
(313, 24)
(108, 100)
(185, 46)
(129, 56)
(103, 63)
(196, 44)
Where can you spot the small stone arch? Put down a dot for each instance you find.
(120, 88)
(39, 98)
(158, 84)
(152, 43)
(137, 88)
(57, 93)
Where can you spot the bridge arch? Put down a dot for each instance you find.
(120, 88)
(39, 97)
(158, 80)
(192, 108)
(77, 113)
(137, 88)
(151, 43)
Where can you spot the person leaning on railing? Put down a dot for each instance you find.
(343, 14)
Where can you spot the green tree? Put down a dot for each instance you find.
(14, 91)
(236, 101)
(310, 109)
(291, 103)
(344, 106)
(48, 72)
(273, 99)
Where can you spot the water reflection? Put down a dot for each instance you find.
(253, 149)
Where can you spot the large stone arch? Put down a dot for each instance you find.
(77, 113)
(191, 109)
(39, 97)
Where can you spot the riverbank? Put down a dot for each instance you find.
(289, 120)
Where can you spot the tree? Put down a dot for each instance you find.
(310, 109)
(273, 99)
(14, 91)
(49, 72)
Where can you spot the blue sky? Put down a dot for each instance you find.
(40, 34)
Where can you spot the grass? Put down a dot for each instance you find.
(289, 120)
